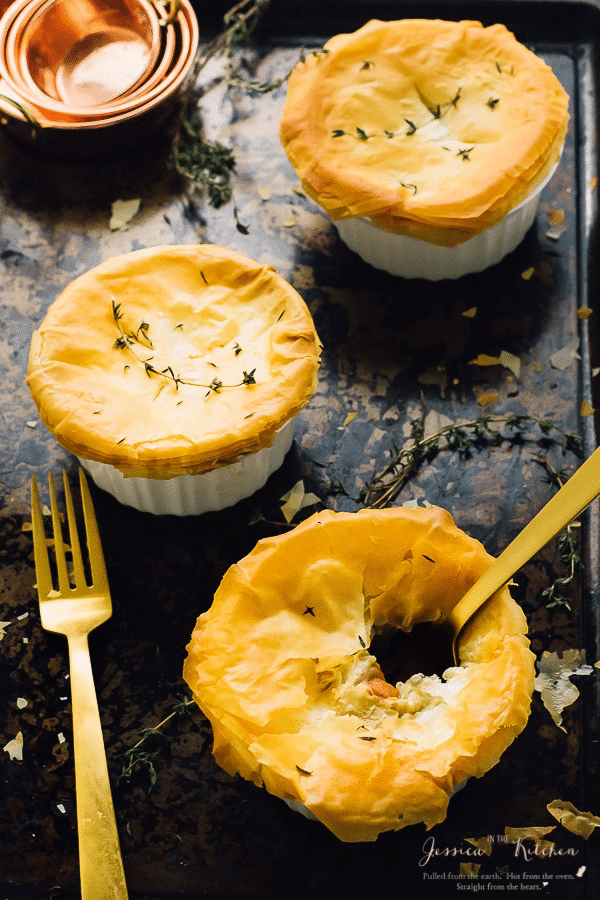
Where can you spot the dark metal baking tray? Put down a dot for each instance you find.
(391, 347)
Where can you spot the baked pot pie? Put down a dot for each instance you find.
(281, 665)
(175, 374)
(427, 141)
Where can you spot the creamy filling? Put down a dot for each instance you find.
(357, 687)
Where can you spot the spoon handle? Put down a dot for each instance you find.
(565, 505)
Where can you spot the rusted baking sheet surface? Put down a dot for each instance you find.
(394, 351)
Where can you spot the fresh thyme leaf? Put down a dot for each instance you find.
(338, 487)
(252, 87)
(141, 757)
(362, 135)
(338, 132)
(207, 163)
(464, 438)
(572, 443)
(493, 102)
(241, 21)
(411, 127)
(129, 341)
(243, 229)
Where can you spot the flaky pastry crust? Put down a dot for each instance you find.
(427, 127)
(173, 359)
(280, 665)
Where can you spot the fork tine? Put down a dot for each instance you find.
(78, 570)
(64, 585)
(97, 563)
(40, 547)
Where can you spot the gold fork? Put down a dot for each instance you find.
(74, 610)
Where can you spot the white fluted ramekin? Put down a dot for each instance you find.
(192, 495)
(410, 257)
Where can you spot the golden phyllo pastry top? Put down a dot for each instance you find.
(282, 667)
(427, 127)
(173, 359)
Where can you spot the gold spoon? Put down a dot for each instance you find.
(579, 491)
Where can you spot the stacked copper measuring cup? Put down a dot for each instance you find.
(83, 78)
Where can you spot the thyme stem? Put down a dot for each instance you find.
(127, 340)
(387, 484)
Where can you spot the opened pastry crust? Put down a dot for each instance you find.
(427, 127)
(173, 359)
(280, 665)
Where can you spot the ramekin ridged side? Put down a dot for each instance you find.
(192, 495)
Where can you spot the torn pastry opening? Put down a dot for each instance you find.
(324, 669)
(424, 650)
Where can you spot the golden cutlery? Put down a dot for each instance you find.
(74, 608)
(578, 492)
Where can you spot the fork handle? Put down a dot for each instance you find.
(574, 496)
(100, 864)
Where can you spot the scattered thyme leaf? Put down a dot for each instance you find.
(253, 88)
(141, 757)
(139, 337)
(465, 438)
(243, 229)
(207, 163)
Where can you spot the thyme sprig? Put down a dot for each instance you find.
(140, 758)
(556, 595)
(210, 164)
(464, 438)
(207, 163)
(252, 86)
(139, 337)
(239, 23)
